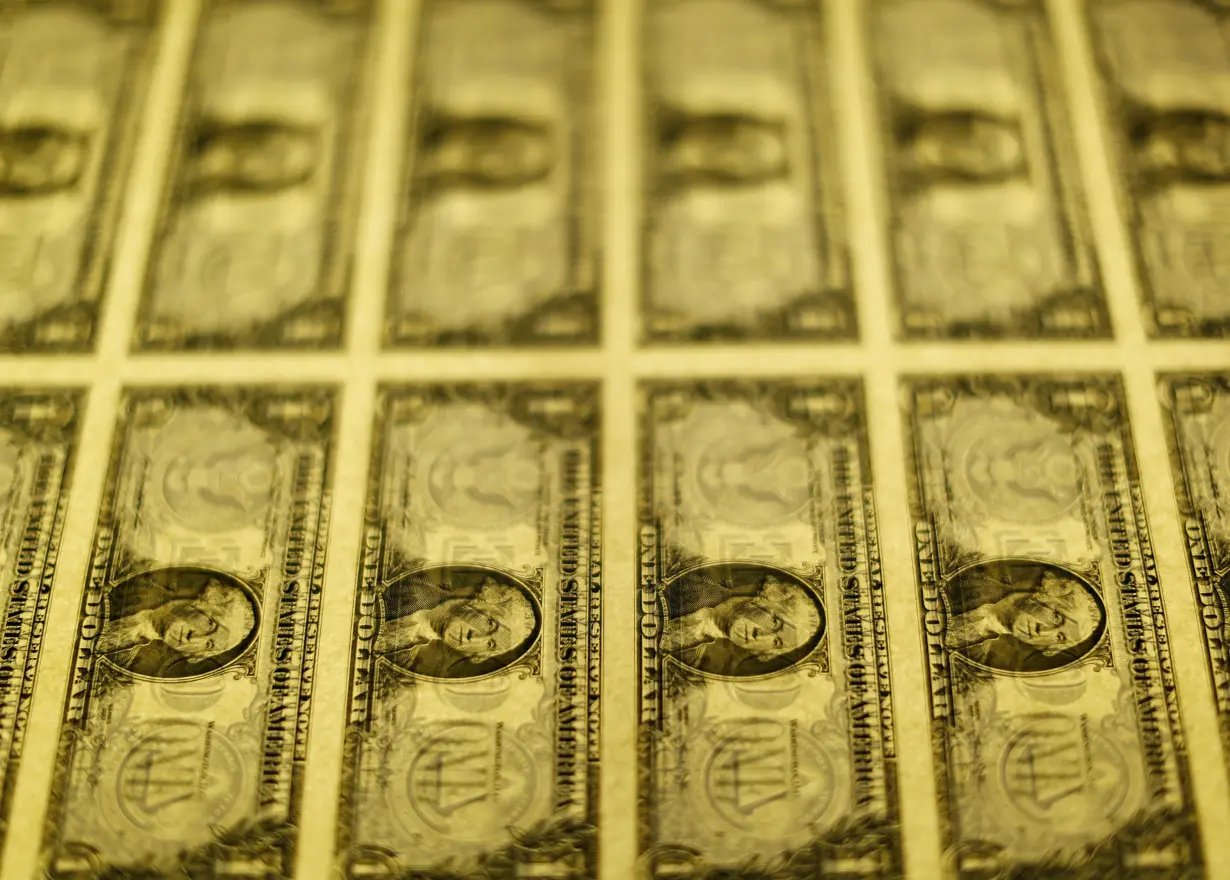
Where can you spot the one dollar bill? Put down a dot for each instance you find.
(472, 747)
(767, 741)
(1165, 66)
(1199, 439)
(987, 229)
(744, 235)
(496, 241)
(186, 724)
(38, 437)
(253, 242)
(73, 77)
(1055, 720)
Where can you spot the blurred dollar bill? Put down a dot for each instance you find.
(744, 236)
(38, 438)
(495, 244)
(767, 738)
(73, 77)
(253, 242)
(1054, 714)
(472, 747)
(186, 724)
(987, 229)
(1199, 437)
(1166, 70)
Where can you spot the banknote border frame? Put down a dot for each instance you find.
(826, 196)
(334, 283)
(96, 257)
(585, 197)
(646, 517)
(1067, 197)
(1109, 102)
(71, 443)
(583, 838)
(1187, 509)
(69, 735)
(907, 384)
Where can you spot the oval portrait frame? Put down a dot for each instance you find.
(796, 656)
(1089, 645)
(508, 659)
(232, 656)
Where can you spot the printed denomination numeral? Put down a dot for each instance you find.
(1166, 69)
(38, 436)
(987, 231)
(72, 80)
(495, 243)
(743, 233)
(474, 704)
(766, 734)
(1054, 714)
(1199, 440)
(252, 248)
(186, 722)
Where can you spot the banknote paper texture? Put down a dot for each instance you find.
(472, 747)
(1166, 68)
(766, 746)
(38, 436)
(72, 80)
(1054, 715)
(743, 234)
(496, 238)
(987, 230)
(252, 247)
(186, 722)
(1199, 409)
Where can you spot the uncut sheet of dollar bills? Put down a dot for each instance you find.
(620, 439)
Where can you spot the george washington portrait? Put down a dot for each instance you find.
(1020, 615)
(740, 620)
(456, 622)
(177, 623)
